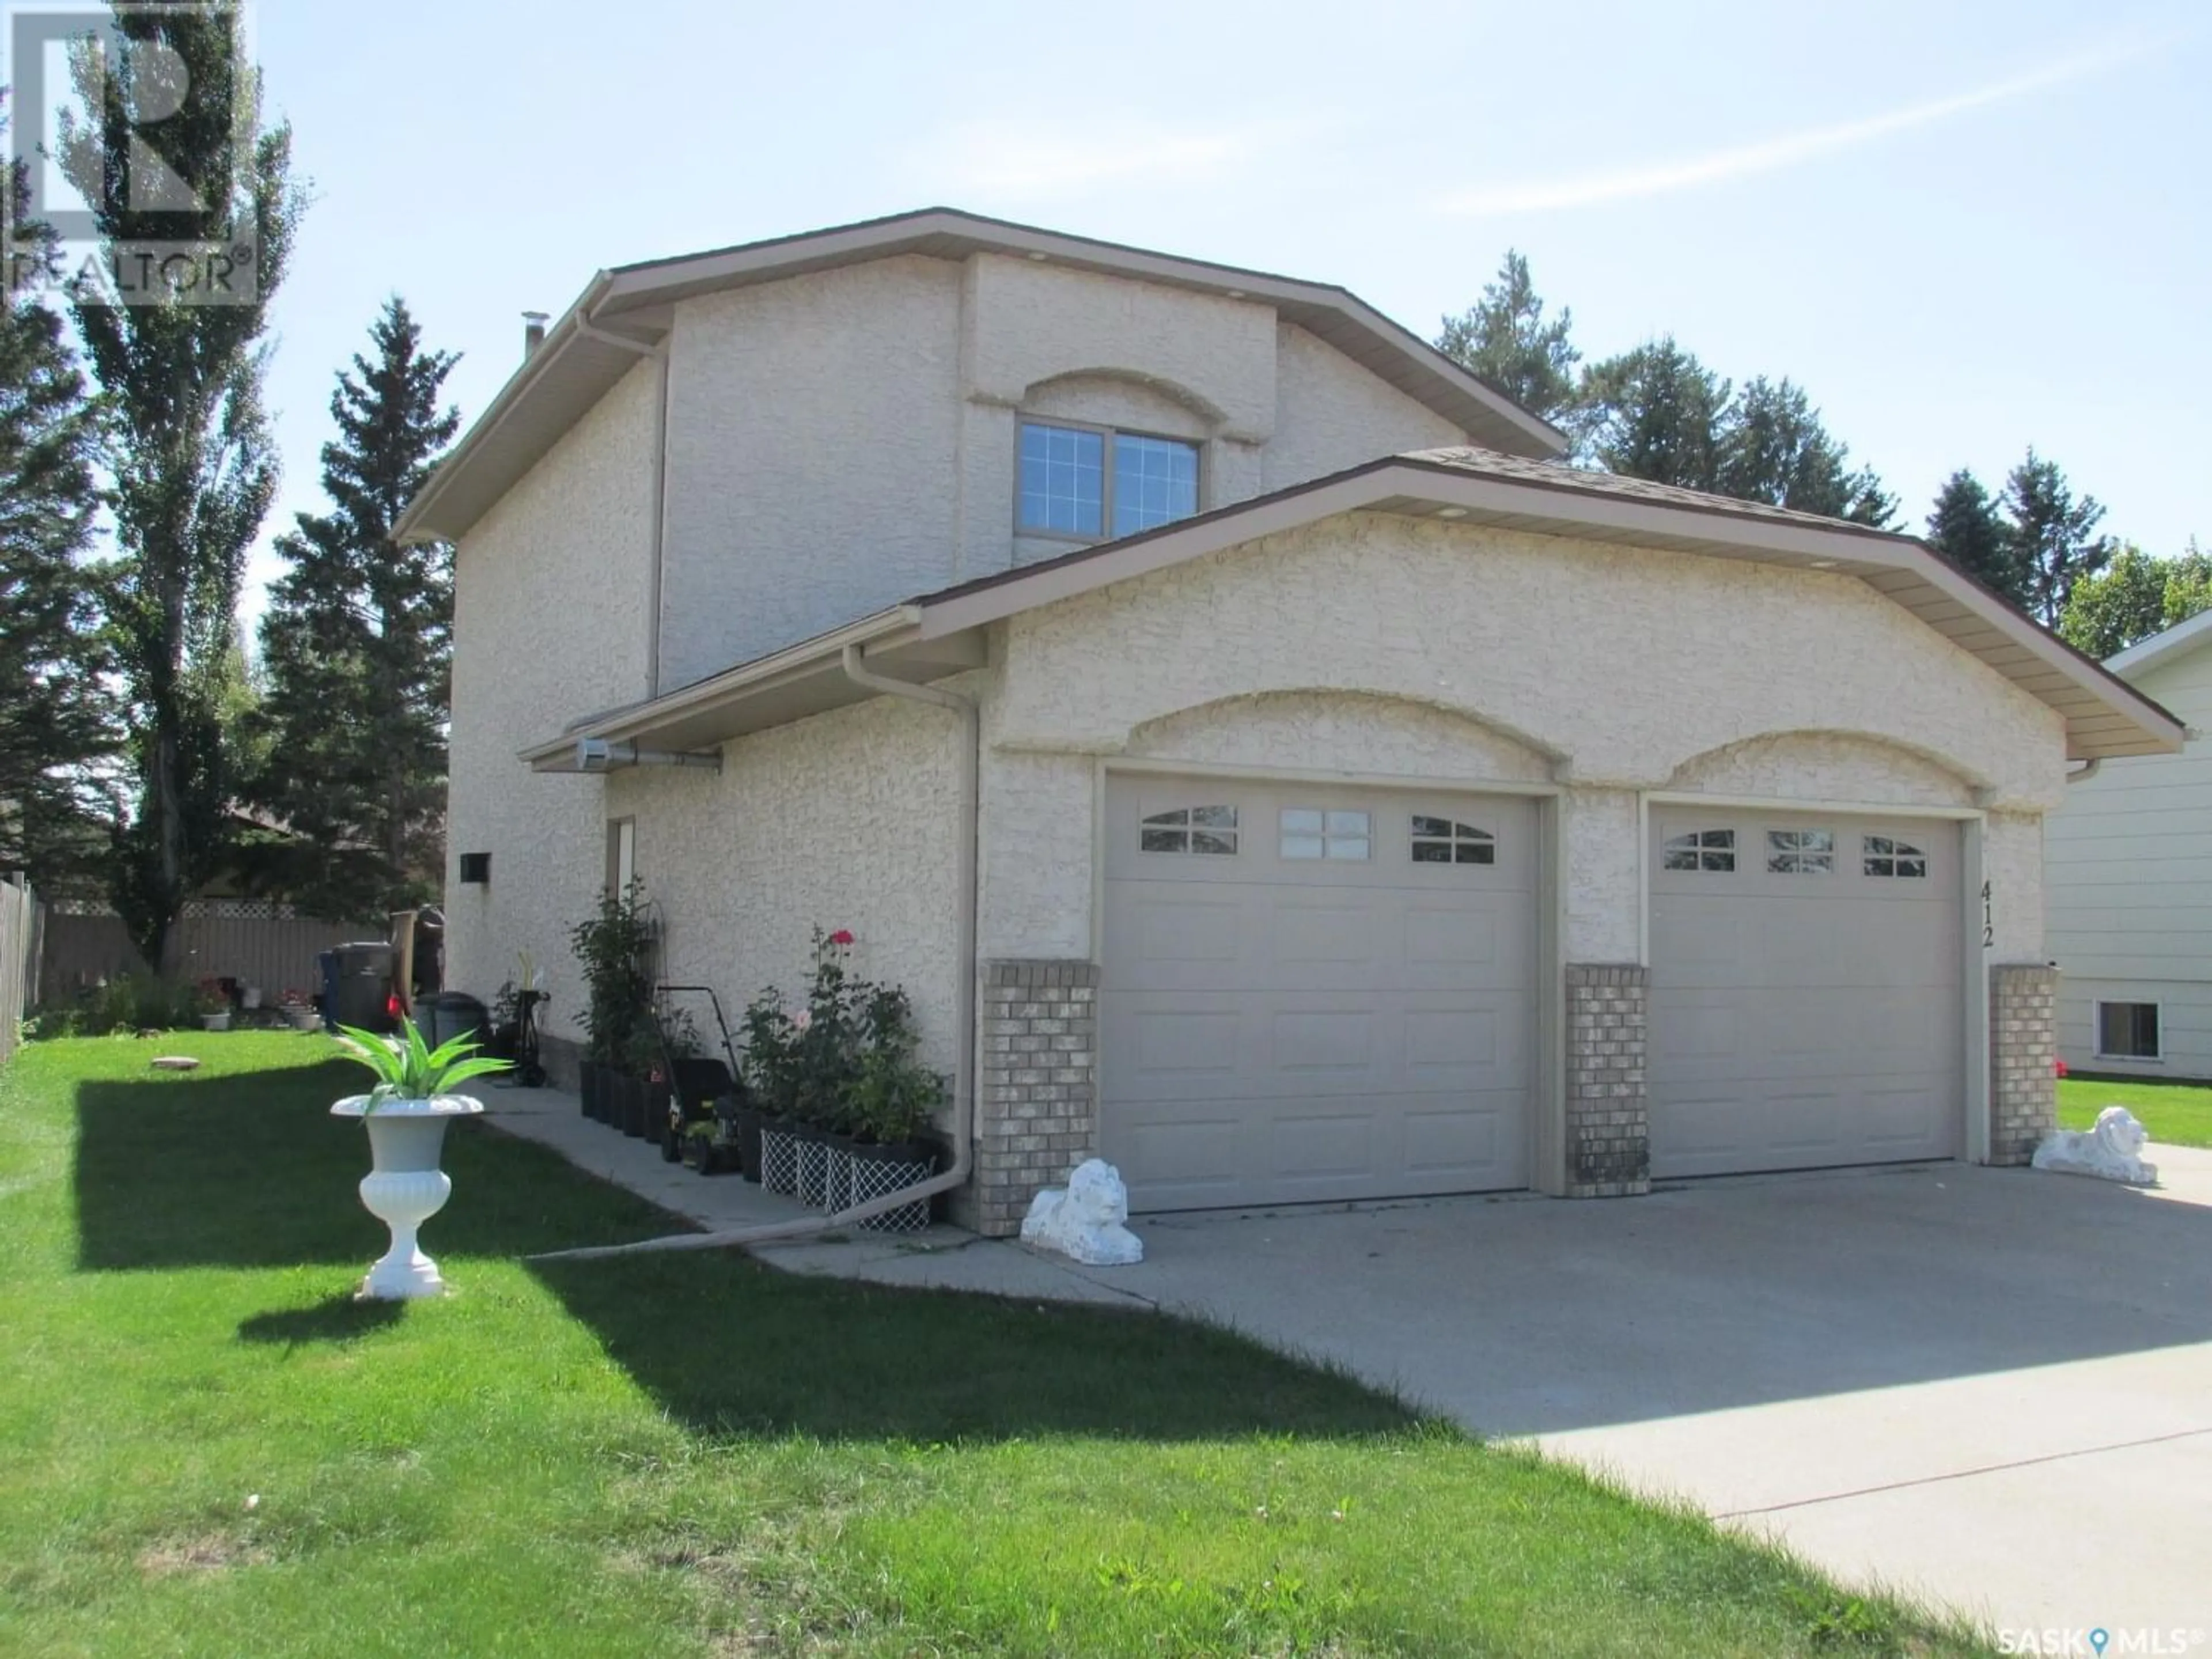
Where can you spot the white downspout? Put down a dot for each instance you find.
(964, 1015)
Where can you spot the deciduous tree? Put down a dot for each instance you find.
(193, 464)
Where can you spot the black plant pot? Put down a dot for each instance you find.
(660, 1100)
(587, 1087)
(747, 1123)
(630, 1119)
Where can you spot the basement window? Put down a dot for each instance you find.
(1309, 832)
(1711, 850)
(1801, 853)
(1189, 829)
(2127, 1030)
(1884, 855)
(1445, 841)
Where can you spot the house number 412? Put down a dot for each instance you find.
(1988, 919)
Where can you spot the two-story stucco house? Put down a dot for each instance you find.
(1265, 762)
(2130, 884)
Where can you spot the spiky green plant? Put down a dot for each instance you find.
(407, 1068)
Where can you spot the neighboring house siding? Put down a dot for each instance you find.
(1474, 654)
(847, 820)
(551, 621)
(2130, 888)
(812, 426)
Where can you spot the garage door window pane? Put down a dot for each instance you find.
(1800, 851)
(1189, 829)
(1886, 856)
(2127, 1030)
(1710, 850)
(1444, 841)
(1310, 833)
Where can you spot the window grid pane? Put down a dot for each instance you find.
(1063, 480)
(1711, 851)
(1155, 482)
(1444, 841)
(1309, 832)
(1210, 829)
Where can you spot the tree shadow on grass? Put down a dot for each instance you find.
(729, 1346)
(336, 1319)
(251, 1170)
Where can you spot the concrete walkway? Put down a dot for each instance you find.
(1989, 1387)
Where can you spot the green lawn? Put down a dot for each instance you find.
(210, 1449)
(2178, 1114)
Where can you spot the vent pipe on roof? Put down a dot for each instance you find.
(533, 331)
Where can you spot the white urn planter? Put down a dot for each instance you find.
(405, 1187)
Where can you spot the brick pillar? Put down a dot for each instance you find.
(2023, 1056)
(1608, 1129)
(1036, 1102)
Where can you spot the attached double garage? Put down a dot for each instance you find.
(1327, 993)
(1453, 824)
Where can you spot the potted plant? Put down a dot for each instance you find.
(213, 1005)
(895, 1101)
(406, 1112)
(615, 949)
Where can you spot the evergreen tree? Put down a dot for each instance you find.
(57, 721)
(2051, 536)
(1655, 413)
(2119, 606)
(1965, 529)
(194, 469)
(1773, 448)
(356, 647)
(1504, 339)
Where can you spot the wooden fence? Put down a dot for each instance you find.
(256, 942)
(20, 915)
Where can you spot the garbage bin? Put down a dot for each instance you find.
(449, 1014)
(361, 992)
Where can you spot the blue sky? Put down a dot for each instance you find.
(1964, 227)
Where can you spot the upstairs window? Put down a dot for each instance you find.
(1189, 829)
(1093, 483)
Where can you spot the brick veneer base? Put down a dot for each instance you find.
(1609, 1128)
(1036, 1103)
(2023, 1059)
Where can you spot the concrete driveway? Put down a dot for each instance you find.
(1992, 1387)
(1989, 1387)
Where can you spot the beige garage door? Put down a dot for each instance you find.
(1805, 991)
(1314, 993)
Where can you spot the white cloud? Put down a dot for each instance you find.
(1770, 155)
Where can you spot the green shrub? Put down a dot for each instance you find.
(130, 1002)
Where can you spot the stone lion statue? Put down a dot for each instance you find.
(2112, 1150)
(1086, 1218)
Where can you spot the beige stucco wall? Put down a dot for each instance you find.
(811, 428)
(842, 440)
(1613, 671)
(1330, 411)
(850, 820)
(551, 619)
